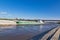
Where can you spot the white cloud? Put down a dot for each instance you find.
(3, 12)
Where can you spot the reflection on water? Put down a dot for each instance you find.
(23, 32)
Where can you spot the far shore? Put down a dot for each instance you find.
(12, 22)
(7, 22)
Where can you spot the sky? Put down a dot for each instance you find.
(30, 9)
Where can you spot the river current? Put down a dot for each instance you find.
(24, 32)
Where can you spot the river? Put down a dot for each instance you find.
(24, 32)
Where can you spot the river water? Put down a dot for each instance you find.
(24, 32)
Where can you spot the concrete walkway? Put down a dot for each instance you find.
(56, 35)
(46, 36)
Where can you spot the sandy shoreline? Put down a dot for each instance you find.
(7, 22)
(10, 22)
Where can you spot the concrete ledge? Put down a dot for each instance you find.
(45, 37)
(56, 35)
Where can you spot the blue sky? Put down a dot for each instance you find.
(30, 9)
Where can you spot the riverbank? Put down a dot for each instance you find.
(7, 22)
(10, 22)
